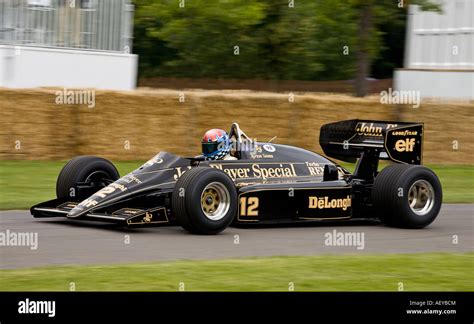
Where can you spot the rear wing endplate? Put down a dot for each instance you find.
(397, 141)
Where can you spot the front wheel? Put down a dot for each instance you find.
(94, 171)
(407, 196)
(204, 201)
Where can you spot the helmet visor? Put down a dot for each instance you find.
(209, 148)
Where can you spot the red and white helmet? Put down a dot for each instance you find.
(215, 144)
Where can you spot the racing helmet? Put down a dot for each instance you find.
(215, 144)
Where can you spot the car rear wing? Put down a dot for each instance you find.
(397, 141)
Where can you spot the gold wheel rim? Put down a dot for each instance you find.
(215, 201)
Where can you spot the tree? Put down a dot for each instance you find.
(364, 34)
(312, 40)
(211, 38)
(370, 13)
(246, 39)
(307, 41)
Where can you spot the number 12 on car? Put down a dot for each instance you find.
(249, 206)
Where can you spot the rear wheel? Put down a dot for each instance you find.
(407, 196)
(204, 201)
(93, 171)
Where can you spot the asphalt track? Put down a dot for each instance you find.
(62, 241)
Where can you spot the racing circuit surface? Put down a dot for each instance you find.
(63, 241)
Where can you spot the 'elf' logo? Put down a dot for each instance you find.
(405, 145)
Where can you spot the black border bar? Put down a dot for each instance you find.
(291, 306)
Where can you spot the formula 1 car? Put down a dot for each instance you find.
(267, 183)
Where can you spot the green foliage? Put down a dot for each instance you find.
(428, 5)
(275, 41)
(204, 34)
(280, 39)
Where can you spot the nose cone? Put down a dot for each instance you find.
(82, 208)
(113, 191)
(164, 168)
(123, 187)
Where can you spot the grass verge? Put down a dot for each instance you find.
(417, 272)
(25, 183)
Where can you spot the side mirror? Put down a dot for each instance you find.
(330, 173)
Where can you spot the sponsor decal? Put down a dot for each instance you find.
(372, 129)
(278, 172)
(314, 168)
(368, 129)
(261, 156)
(127, 211)
(102, 193)
(155, 216)
(405, 132)
(129, 178)
(67, 205)
(153, 160)
(28, 306)
(258, 153)
(405, 145)
(180, 171)
(255, 170)
(89, 202)
(269, 148)
(148, 217)
(326, 202)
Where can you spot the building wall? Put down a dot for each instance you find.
(447, 84)
(439, 54)
(105, 25)
(441, 40)
(62, 43)
(30, 67)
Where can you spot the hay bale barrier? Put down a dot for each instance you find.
(136, 125)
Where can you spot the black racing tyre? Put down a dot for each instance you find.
(407, 196)
(84, 169)
(204, 200)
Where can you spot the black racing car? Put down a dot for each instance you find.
(267, 183)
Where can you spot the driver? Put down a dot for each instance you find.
(216, 145)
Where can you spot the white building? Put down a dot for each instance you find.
(67, 43)
(439, 55)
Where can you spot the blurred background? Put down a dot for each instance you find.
(341, 46)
